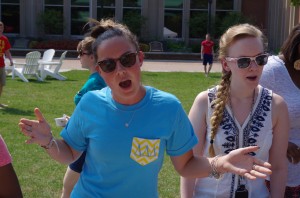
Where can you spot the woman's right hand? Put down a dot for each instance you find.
(240, 162)
(293, 153)
(38, 131)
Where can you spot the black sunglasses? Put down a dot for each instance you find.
(244, 62)
(81, 53)
(127, 60)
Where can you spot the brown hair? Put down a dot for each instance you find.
(86, 44)
(289, 49)
(233, 34)
(106, 29)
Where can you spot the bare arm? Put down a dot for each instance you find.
(201, 52)
(9, 184)
(8, 55)
(193, 165)
(39, 132)
(237, 161)
(197, 116)
(280, 119)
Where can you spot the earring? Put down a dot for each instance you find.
(297, 64)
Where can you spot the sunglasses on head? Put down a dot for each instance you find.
(127, 60)
(244, 62)
(81, 53)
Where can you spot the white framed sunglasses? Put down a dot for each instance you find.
(244, 62)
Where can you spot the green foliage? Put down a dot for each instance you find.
(32, 44)
(41, 176)
(177, 46)
(232, 18)
(295, 2)
(144, 47)
(51, 22)
(198, 25)
(135, 21)
(196, 48)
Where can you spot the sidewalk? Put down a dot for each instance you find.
(149, 65)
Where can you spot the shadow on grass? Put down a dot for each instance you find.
(14, 111)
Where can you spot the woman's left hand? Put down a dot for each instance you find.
(240, 162)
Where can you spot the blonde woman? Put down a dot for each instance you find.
(239, 113)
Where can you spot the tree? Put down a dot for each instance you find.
(232, 18)
(135, 22)
(198, 24)
(295, 2)
(51, 22)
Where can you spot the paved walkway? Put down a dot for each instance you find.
(149, 65)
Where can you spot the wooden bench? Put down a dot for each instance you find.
(156, 46)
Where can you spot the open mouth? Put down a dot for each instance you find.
(125, 84)
(252, 78)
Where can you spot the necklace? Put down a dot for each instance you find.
(129, 122)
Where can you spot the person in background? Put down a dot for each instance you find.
(207, 53)
(4, 51)
(282, 75)
(9, 183)
(126, 127)
(239, 113)
(95, 82)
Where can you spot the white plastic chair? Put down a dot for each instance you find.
(47, 56)
(29, 68)
(156, 46)
(53, 69)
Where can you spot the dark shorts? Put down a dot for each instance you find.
(2, 76)
(207, 58)
(78, 164)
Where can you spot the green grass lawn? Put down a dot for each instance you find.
(41, 176)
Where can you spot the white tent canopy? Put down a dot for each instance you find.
(169, 33)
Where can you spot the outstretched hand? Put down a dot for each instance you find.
(38, 131)
(240, 162)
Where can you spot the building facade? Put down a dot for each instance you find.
(187, 20)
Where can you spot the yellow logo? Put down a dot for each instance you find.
(144, 151)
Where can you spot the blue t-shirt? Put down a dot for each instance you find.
(95, 82)
(124, 161)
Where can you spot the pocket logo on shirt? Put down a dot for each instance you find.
(144, 151)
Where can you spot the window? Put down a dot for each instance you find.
(224, 17)
(54, 2)
(80, 10)
(52, 20)
(225, 5)
(199, 4)
(105, 9)
(173, 16)
(198, 18)
(10, 16)
(132, 15)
